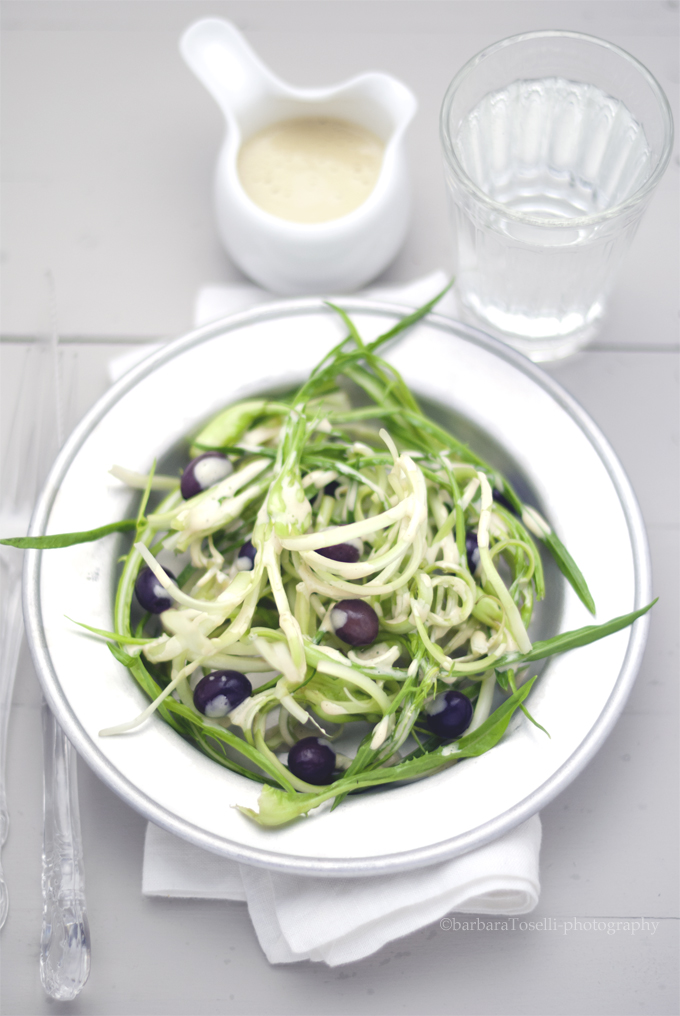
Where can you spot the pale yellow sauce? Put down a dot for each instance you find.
(310, 170)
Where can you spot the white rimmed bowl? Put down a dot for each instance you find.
(518, 417)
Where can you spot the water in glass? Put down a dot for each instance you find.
(549, 154)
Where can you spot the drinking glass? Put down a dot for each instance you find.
(553, 144)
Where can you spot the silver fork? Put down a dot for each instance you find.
(65, 939)
(65, 933)
(21, 473)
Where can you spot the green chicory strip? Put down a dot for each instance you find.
(569, 569)
(69, 539)
(573, 639)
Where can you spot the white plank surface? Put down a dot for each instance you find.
(108, 150)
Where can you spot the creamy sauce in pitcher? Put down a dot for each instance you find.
(310, 170)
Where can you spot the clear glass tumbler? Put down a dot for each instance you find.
(553, 144)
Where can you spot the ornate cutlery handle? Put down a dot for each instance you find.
(65, 940)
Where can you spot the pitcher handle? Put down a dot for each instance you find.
(225, 64)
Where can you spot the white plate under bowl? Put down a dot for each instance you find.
(519, 415)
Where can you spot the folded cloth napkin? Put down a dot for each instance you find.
(339, 920)
(217, 301)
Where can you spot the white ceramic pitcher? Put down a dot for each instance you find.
(286, 257)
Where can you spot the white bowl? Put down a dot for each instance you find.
(519, 418)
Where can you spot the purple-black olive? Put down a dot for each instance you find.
(501, 499)
(355, 622)
(246, 557)
(218, 693)
(204, 471)
(330, 488)
(312, 760)
(150, 593)
(348, 553)
(472, 550)
(450, 714)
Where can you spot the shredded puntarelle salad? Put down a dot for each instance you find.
(349, 569)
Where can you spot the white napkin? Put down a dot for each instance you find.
(217, 301)
(214, 302)
(339, 920)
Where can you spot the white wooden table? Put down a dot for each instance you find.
(108, 151)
